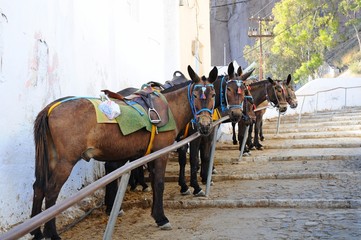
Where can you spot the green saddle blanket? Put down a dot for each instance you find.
(130, 120)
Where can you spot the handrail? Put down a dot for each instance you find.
(331, 89)
(48, 214)
(322, 91)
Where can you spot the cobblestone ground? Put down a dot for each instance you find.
(305, 184)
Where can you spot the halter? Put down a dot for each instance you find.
(288, 97)
(224, 99)
(191, 100)
(246, 112)
(274, 91)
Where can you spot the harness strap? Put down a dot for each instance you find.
(186, 131)
(52, 107)
(65, 100)
(152, 135)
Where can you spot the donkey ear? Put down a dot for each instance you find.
(230, 71)
(270, 80)
(213, 75)
(288, 79)
(239, 71)
(247, 74)
(195, 78)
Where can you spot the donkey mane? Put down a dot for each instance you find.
(176, 87)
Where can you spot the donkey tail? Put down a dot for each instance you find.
(42, 139)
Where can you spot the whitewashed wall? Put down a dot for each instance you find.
(51, 49)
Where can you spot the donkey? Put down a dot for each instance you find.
(61, 141)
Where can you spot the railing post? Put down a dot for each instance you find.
(300, 113)
(245, 136)
(211, 160)
(345, 98)
(116, 207)
(278, 122)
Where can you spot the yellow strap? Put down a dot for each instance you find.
(186, 131)
(52, 107)
(152, 134)
(216, 115)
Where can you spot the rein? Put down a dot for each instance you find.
(191, 101)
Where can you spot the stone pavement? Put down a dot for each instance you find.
(305, 184)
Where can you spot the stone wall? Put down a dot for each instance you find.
(229, 25)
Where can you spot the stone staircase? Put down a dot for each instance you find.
(325, 147)
(305, 184)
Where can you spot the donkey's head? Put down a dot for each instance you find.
(202, 99)
(233, 94)
(277, 95)
(290, 93)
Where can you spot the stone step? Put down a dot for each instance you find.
(289, 128)
(287, 154)
(302, 143)
(310, 135)
(313, 135)
(319, 115)
(306, 120)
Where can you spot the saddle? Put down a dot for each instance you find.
(152, 102)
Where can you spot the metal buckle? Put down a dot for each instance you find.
(154, 121)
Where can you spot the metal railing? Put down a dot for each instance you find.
(317, 95)
(48, 214)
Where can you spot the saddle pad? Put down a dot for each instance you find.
(130, 120)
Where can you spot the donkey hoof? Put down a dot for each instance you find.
(214, 171)
(166, 226)
(146, 189)
(188, 192)
(201, 193)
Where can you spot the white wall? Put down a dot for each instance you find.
(331, 95)
(90, 45)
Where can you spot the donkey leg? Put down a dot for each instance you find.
(141, 179)
(110, 189)
(240, 134)
(157, 175)
(249, 139)
(194, 165)
(182, 159)
(133, 180)
(234, 138)
(257, 144)
(58, 175)
(261, 137)
(36, 209)
(205, 151)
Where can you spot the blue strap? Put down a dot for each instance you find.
(132, 103)
(74, 98)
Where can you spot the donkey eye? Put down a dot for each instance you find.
(195, 96)
(213, 95)
(229, 89)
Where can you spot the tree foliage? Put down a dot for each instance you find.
(351, 9)
(303, 31)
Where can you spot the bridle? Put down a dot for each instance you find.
(191, 99)
(275, 94)
(223, 95)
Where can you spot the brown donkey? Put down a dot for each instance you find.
(61, 141)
